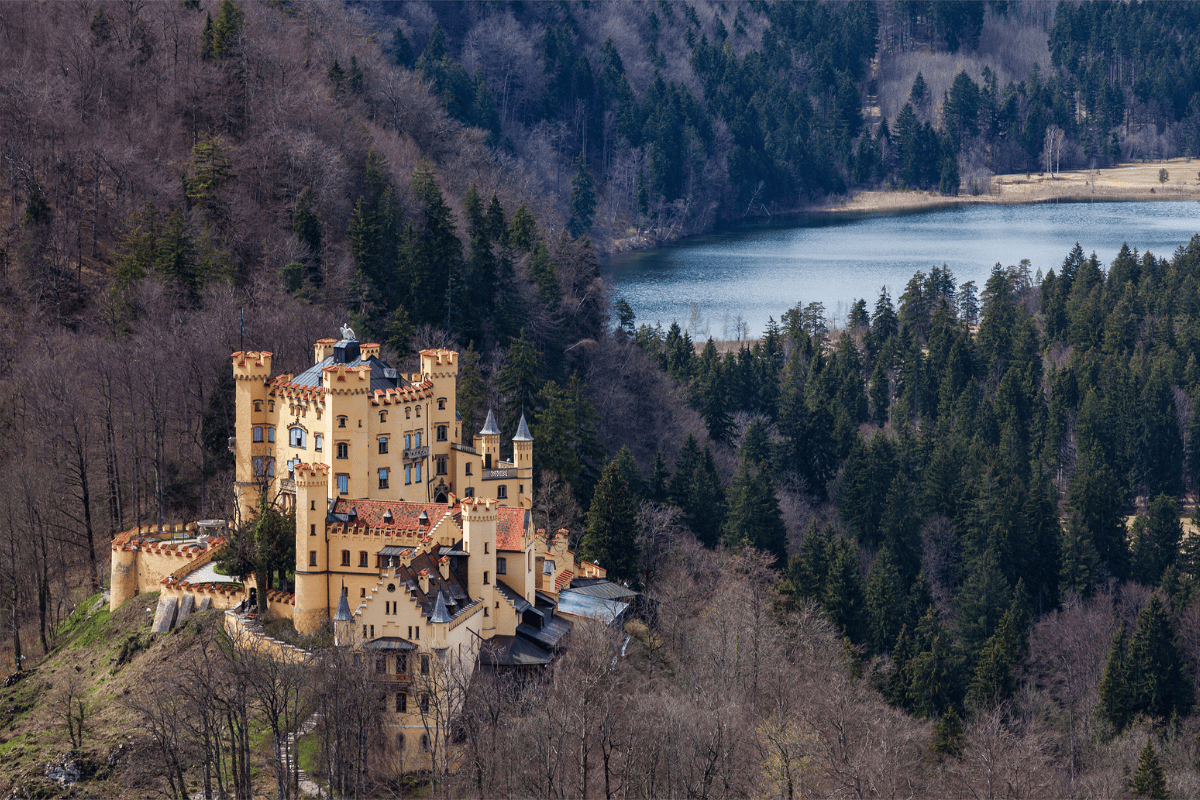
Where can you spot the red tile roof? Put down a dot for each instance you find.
(404, 515)
(563, 579)
(510, 529)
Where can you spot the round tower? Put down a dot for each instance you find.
(123, 583)
(312, 548)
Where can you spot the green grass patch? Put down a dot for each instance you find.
(14, 746)
(309, 752)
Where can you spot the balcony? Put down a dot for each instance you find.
(504, 474)
(462, 448)
(414, 453)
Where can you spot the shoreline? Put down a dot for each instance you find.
(1138, 183)
(1123, 183)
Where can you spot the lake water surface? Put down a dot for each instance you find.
(750, 273)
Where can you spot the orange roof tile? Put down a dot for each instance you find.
(404, 515)
(510, 529)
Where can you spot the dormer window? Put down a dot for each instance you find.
(387, 516)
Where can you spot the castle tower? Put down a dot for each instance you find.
(441, 368)
(312, 548)
(479, 517)
(488, 442)
(523, 460)
(123, 573)
(251, 371)
(343, 623)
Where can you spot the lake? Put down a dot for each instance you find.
(751, 272)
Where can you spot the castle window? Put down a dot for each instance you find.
(418, 412)
(424, 671)
(401, 707)
(407, 475)
(408, 441)
(345, 558)
(343, 450)
(468, 467)
(258, 467)
(312, 529)
(341, 422)
(270, 468)
(400, 736)
(502, 492)
(270, 405)
(425, 736)
(520, 488)
(362, 592)
(257, 433)
(485, 611)
(548, 567)
(485, 579)
(270, 434)
(441, 433)
(501, 566)
(383, 478)
(383, 700)
(383, 416)
(417, 633)
(362, 558)
(417, 438)
(408, 413)
(441, 466)
(382, 445)
(417, 469)
(469, 491)
(442, 404)
(312, 558)
(528, 560)
(319, 442)
(343, 482)
(402, 664)
(297, 435)
(257, 406)
(381, 665)
(485, 548)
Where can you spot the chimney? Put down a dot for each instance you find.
(423, 576)
(444, 567)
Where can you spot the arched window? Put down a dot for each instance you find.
(383, 416)
(424, 740)
(418, 412)
(400, 742)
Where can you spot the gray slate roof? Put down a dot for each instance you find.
(522, 432)
(343, 609)
(440, 612)
(382, 375)
(489, 425)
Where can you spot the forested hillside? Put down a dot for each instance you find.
(667, 118)
(939, 550)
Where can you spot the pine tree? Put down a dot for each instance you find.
(685, 468)
(1156, 540)
(523, 232)
(1079, 560)
(934, 670)
(948, 734)
(994, 679)
(843, 594)
(754, 518)
(1116, 697)
(886, 601)
(710, 393)
(630, 472)
(582, 200)
(519, 379)
(1149, 780)
(704, 510)
(1160, 683)
(660, 478)
(612, 522)
(982, 601)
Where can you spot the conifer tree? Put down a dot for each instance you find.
(886, 602)
(934, 685)
(660, 478)
(610, 540)
(519, 379)
(1161, 685)
(685, 468)
(704, 510)
(630, 472)
(1116, 697)
(982, 601)
(1149, 780)
(994, 679)
(843, 594)
(523, 231)
(1156, 540)
(582, 200)
(710, 393)
(948, 734)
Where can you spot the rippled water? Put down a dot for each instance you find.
(751, 273)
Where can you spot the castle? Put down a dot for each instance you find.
(386, 552)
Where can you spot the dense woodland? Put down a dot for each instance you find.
(673, 117)
(938, 550)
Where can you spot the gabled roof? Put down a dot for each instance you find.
(511, 524)
(520, 603)
(405, 516)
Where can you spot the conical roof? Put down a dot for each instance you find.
(440, 612)
(522, 432)
(343, 610)
(489, 425)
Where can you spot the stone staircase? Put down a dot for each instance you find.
(308, 787)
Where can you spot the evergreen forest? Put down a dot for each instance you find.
(947, 547)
